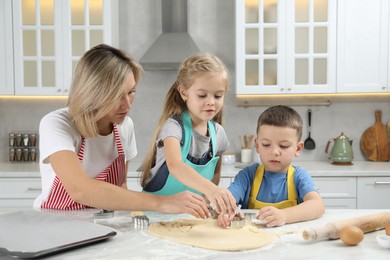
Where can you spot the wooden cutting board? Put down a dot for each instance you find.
(375, 141)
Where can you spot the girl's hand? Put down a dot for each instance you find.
(222, 200)
(225, 219)
(185, 202)
(272, 216)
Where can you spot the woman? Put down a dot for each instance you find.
(85, 148)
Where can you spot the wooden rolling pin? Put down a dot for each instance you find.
(365, 223)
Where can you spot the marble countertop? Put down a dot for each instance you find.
(315, 168)
(130, 243)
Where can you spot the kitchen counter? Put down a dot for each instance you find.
(138, 244)
(315, 168)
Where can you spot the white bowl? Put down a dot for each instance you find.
(228, 158)
(384, 241)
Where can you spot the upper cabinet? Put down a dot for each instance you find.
(285, 47)
(363, 46)
(6, 60)
(312, 46)
(49, 37)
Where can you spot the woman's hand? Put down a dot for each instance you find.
(272, 216)
(184, 202)
(222, 200)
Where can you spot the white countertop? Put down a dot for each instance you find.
(138, 244)
(315, 168)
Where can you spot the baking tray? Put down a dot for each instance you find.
(32, 234)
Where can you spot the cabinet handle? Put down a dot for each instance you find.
(34, 189)
(382, 183)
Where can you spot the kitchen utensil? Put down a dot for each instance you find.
(309, 143)
(34, 234)
(237, 222)
(342, 153)
(140, 221)
(366, 223)
(103, 214)
(375, 141)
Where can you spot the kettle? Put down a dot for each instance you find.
(341, 153)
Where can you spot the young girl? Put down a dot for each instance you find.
(189, 137)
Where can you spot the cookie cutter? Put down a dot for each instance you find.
(104, 214)
(237, 222)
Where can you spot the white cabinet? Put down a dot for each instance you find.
(133, 183)
(363, 46)
(6, 60)
(49, 36)
(19, 192)
(373, 193)
(225, 182)
(285, 47)
(337, 192)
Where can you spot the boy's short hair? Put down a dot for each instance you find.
(281, 116)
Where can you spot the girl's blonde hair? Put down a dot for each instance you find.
(189, 71)
(98, 84)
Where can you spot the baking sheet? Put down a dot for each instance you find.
(31, 234)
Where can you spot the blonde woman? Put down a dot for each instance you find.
(189, 138)
(85, 148)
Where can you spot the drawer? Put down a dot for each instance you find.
(373, 192)
(340, 203)
(336, 187)
(20, 188)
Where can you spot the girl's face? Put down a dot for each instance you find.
(120, 111)
(205, 96)
(277, 146)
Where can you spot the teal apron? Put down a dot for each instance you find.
(172, 185)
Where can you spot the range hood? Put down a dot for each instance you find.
(174, 44)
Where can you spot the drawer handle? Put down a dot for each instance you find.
(382, 183)
(34, 189)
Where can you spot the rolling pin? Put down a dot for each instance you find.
(365, 223)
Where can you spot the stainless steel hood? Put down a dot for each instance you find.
(174, 44)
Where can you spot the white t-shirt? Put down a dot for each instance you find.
(57, 133)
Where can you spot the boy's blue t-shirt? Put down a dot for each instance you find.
(273, 188)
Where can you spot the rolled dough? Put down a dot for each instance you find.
(208, 234)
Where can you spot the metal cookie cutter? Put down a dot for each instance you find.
(103, 214)
(141, 221)
(237, 222)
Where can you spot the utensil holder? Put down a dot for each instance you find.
(246, 155)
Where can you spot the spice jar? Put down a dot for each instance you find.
(18, 139)
(18, 154)
(25, 140)
(33, 154)
(12, 154)
(11, 139)
(33, 139)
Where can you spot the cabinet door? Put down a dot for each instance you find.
(285, 47)
(49, 38)
(362, 46)
(6, 59)
(373, 193)
(134, 184)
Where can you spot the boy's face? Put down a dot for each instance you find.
(277, 146)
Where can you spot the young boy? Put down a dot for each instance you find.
(283, 193)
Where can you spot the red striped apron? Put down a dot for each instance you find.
(114, 174)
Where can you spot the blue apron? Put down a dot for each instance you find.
(172, 185)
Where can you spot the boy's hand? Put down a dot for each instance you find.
(272, 216)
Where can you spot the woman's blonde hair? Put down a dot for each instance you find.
(98, 84)
(189, 70)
